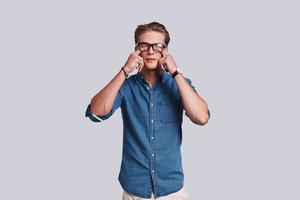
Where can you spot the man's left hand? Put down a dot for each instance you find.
(167, 62)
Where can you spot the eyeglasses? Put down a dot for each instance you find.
(144, 46)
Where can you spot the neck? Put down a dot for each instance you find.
(151, 76)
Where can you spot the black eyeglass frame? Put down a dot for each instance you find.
(150, 45)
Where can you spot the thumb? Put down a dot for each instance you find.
(141, 66)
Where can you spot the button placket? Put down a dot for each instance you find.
(151, 107)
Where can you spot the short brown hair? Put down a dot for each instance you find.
(153, 26)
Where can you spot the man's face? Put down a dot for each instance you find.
(151, 56)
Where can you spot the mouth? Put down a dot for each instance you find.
(150, 59)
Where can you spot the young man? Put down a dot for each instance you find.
(152, 103)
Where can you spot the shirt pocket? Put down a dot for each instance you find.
(169, 111)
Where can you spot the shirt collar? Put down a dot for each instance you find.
(163, 76)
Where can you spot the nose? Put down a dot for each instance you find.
(151, 50)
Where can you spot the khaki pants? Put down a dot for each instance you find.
(180, 195)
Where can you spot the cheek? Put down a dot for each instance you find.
(143, 55)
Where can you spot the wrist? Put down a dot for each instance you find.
(176, 72)
(171, 71)
(126, 74)
(125, 67)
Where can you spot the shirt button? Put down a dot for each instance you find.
(152, 171)
(152, 138)
(152, 120)
(151, 104)
(152, 155)
(147, 88)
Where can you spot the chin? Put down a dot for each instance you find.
(151, 67)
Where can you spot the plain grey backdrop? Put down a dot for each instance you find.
(243, 59)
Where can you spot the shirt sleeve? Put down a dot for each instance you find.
(190, 83)
(98, 118)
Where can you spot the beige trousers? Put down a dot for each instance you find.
(179, 195)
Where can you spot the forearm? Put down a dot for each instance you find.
(103, 101)
(195, 106)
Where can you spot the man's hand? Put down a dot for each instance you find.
(167, 62)
(134, 61)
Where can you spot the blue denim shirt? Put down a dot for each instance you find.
(152, 135)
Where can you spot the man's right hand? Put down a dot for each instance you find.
(134, 61)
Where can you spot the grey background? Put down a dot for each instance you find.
(242, 56)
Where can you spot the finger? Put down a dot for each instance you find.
(139, 62)
(162, 59)
(137, 52)
(165, 52)
(165, 67)
(161, 64)
(141, 66)
(162, 68)
(137, 65)
(140, 59)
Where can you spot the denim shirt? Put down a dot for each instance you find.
(152, 135)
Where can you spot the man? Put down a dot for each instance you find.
(152, 103)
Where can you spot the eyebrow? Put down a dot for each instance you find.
(152, 43)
